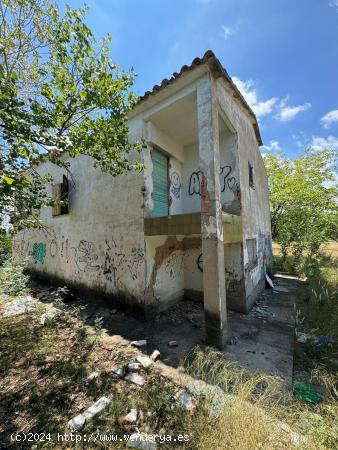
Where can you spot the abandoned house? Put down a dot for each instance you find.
(194, 224)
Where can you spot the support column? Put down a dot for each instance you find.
(211, 216)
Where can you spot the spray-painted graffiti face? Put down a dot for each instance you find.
(175, 185)
(39, 252)
(86, 256)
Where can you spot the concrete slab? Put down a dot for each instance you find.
(264, 337)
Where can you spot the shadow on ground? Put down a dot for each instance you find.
(261, 340)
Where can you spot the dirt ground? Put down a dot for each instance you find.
(261, 340)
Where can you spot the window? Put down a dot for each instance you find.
(60, 194)
(251, 180)
(251, 245)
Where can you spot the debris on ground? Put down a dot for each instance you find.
(139, 343)
(48, 316)
(130, 418)
(320, 341)
(295, 438)
(92, 376)
(269, 282)
(145, 361)
(77, 422)
(186, 400)
(155, 355)
(140, 441)
(172, 344)
(302, 338)
(325, 341)
(96, 407)
(135, 378)
(65, 294)
(305, 392)
(217, 399)
(19, 305)
(134, 366)
(119, 372)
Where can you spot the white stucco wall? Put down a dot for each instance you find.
(254, 201)
(229, 173)
(100, 243)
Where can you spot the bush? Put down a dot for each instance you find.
(13, 280)
(5, 246)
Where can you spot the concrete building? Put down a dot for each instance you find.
(194, 224)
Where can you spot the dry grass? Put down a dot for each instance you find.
(329, 249)
(43, 384)
(260, 411)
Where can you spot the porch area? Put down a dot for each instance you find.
(192, 216)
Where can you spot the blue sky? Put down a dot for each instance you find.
(283, 55)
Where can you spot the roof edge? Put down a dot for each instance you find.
(217, 70)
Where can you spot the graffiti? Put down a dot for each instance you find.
(116, 262)
(39, 252)
(53, 248)
(228, 273)
(200, 262)
(226, 181)
(109, 270)
(134, 261)
(224, 173)
(64, 247)
(21, 247)
(174, 265)
(175, 185)
(195, 183)
(86, 257)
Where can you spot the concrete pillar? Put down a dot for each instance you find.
(211, 216)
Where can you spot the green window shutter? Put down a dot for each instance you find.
(160, 183)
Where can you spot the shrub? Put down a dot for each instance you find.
(5, 246)
(13, 280)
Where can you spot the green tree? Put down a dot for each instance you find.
(303, 200)
(59, 91)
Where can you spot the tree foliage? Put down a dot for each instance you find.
(303, 200)
(59, 91)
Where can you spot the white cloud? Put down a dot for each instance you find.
(227, 32)
(272, 146)
(260, 108)
(264, 108)
(324, 143)
(334, 4)
(230, 31)
(287, 113)
(329, 118)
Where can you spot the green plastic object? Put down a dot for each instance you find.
(305, 392)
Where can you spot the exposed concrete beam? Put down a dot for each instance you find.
(211, 215)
